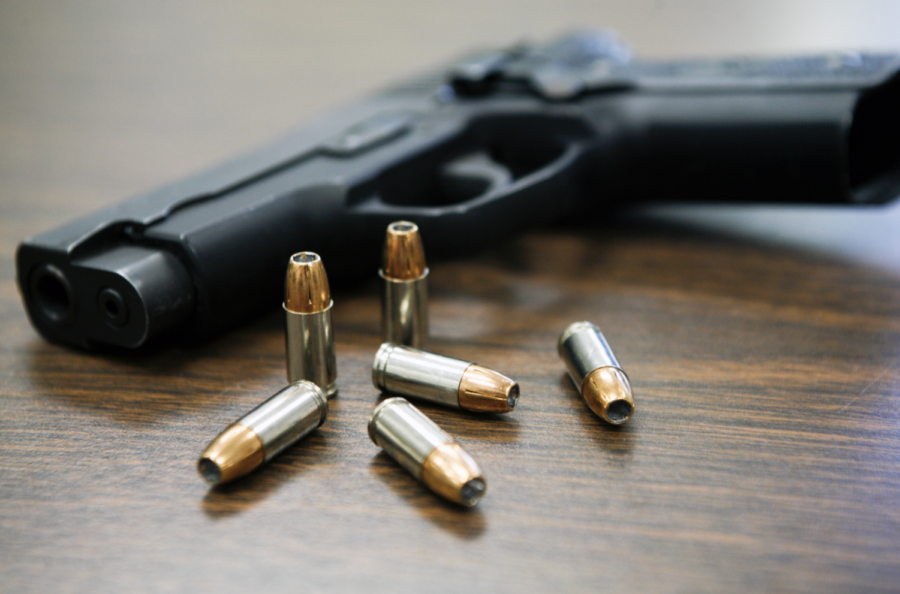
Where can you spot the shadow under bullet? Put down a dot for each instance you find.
(244, 493)
(617, 440)
(461, 522)
(464, 424)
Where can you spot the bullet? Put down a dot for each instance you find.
(404, 283)
(596, 372)
(426, 451)
(436, 378)
(263, 433)
(309, 341)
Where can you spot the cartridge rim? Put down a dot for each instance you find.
(572, 329)
(380, 409)
(380, 364)
(321, 397)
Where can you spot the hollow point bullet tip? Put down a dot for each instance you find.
(260, 435)
(596, 372)
(404, 255)
(306, 287)
(427, 452)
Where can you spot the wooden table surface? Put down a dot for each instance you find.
(764, 454)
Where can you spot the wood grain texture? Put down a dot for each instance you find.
(764, 454)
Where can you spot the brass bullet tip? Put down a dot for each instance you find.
(452, 473)
(426, 451)
(234, 453)
(608, 392)
(404, 256)
(484, 390)
(306, 285)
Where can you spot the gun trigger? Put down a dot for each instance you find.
(472, 175)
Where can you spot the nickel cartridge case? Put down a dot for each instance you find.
(309, 340)
(596, 372)
(263, 433)
(404, 283)
(426, 452)
(453, 382)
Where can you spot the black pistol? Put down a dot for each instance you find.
(483, 148)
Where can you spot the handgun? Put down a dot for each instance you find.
(472, 152)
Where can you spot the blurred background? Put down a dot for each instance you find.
(85, 73)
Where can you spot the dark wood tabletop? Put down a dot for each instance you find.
(763, 456)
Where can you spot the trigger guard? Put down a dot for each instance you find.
(471, 176)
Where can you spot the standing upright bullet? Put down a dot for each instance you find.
(453, 382)
(426, 451)
(596, 372)
(263, 433)
(404, 296)
(309, 341)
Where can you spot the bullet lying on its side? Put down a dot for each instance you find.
(596, 372)
(436, 378)
(263, 433)
(426, 451)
